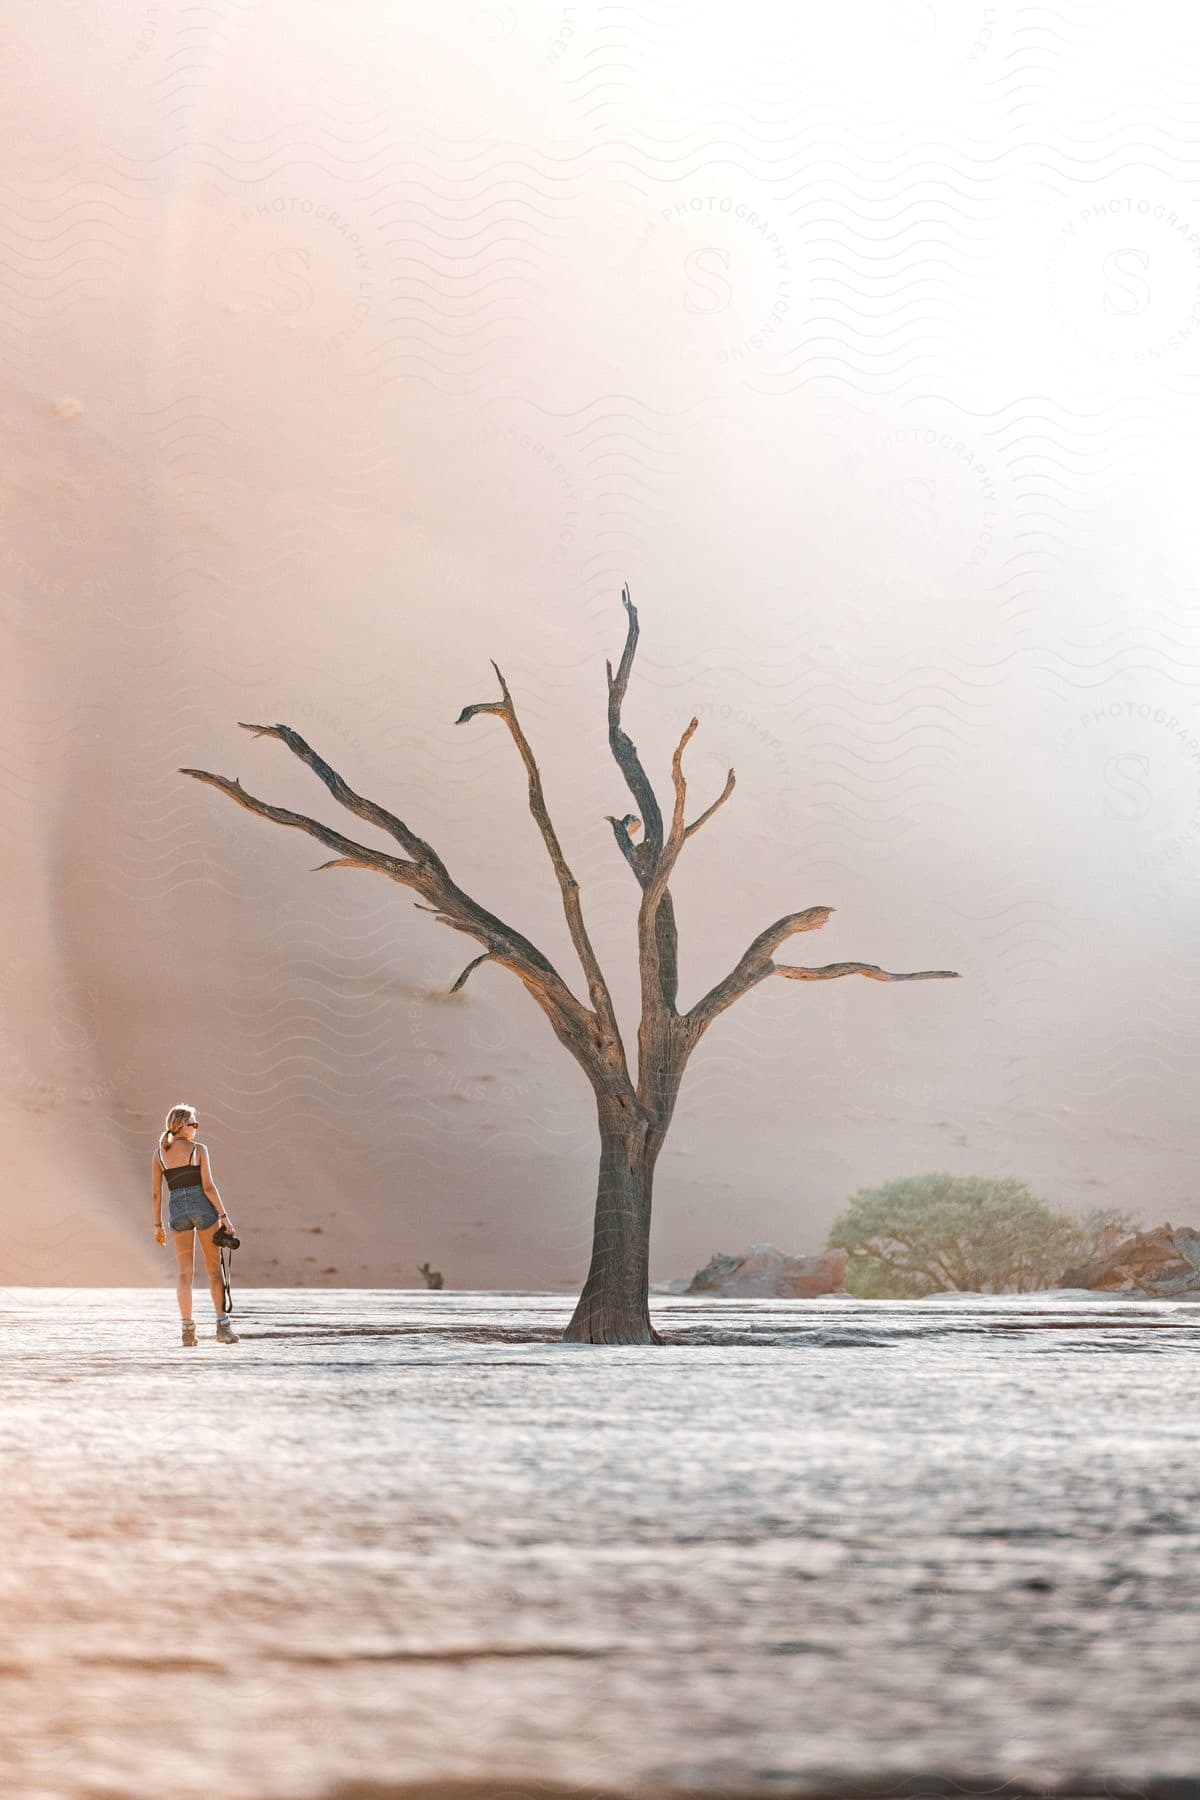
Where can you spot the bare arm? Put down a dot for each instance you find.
(156, 1191)
(208, 1184)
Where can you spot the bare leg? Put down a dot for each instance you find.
(212, 1267)
(185, 1251)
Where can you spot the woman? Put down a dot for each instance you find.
(194, 1211)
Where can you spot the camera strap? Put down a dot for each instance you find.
(226, 1262)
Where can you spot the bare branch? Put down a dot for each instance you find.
(573, 1024)
(568, 886)
(657, 935)
(665, 861)
(622, 831)
(628, 760)
(441, 917)
(357, 854)
(680, 786)
(831, 971)
(502, 708)
(470, 966)
(658, 938)
(652, 861)
(720, 800)
(754, 965)
(417, 848)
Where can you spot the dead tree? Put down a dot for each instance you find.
(633, 1115)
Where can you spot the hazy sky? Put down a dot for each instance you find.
(345, 348)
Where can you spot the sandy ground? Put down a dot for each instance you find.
(801, 1547)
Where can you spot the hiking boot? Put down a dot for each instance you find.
(189, 1335)
(225, 1332)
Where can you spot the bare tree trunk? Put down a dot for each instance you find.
(614, 1307)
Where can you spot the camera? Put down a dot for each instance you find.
(226, 1238)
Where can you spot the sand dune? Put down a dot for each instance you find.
(332, 371)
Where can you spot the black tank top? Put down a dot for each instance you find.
(186, 1175)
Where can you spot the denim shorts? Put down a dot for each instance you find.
(190, 1209)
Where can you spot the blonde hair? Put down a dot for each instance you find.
(176, 1118)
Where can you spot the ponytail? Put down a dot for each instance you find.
(176, 1119)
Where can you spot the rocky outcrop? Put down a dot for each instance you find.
(1163, 1263)
(763, 1272)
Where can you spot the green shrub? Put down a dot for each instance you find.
(933, 1233)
